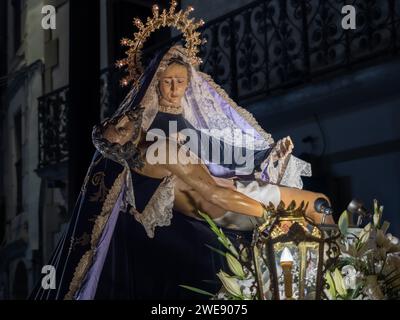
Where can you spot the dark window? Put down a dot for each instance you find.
(16, 4)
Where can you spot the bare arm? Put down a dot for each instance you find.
(196, 175)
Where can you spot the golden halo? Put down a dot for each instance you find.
(180, 20)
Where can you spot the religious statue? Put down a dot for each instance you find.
(176, 145)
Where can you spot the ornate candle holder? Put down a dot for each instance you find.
(292, 247)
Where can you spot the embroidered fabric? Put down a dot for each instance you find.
(211, 119)
(158, 211)
(286, 171)
(294, 170)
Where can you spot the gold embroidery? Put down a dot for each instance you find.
(83, 240)
(98, 180)
(86, 181)
(101, 220)
(170, 109)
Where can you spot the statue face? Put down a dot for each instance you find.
(121, 132)
(173, 83)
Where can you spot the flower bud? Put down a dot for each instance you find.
(234, 265)
(230, 284)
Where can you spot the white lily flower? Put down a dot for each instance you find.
(365, 233)
(230, 284)
(350, 277)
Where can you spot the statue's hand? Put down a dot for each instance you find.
(282, 149)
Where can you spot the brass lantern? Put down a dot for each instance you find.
(288, 255)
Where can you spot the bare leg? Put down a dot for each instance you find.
(298, 195)
(287, 195)
(290, 194)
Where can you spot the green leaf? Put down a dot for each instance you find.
(231, 248)
(216, 250)
(220, 234)
(356, 291)
(197, 290)
(212, 224)
(344, 223)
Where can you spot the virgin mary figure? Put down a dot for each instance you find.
(135, 232)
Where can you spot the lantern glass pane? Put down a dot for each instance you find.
(301, 260)
(310, 269)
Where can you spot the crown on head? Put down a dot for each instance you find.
(168, 18)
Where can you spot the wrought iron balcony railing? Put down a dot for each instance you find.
(53, 107)
(271, 45)
(264, 47)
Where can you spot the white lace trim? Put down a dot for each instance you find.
(295, 169)
(130, 195)
(286, 171)
(158, 211)
(200, 96)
